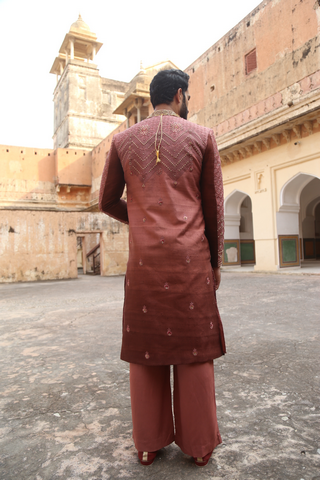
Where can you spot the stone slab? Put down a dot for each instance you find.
(64, 393)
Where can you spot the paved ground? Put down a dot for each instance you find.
(65, 408)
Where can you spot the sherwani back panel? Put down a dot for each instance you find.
(175, 213)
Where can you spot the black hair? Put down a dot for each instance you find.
(165, 85)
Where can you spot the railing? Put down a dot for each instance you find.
(95, 260)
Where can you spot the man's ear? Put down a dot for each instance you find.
(178, 98)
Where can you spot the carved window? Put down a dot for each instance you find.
(251, 61)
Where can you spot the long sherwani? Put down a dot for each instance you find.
(170, 317)
(175, 213)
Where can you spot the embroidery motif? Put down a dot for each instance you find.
(144, 130)
(176, 153)
(176, 127)
(181, 149)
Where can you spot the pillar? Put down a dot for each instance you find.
(71, 48)
(139, 103)
(128, 115)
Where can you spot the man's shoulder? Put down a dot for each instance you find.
(191, 127)
(198, 128)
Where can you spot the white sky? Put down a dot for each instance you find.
(31, 33)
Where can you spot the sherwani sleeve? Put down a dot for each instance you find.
(112, 186)
(212, 200)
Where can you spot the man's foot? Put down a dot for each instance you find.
(202, 461)
(146, 458)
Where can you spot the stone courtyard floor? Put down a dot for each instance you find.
(65, 406)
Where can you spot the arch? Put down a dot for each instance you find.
(293, 223)
(311, 208)
(239, 243)
(291, 191)
(233, 201)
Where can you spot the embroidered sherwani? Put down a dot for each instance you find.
(175, 213)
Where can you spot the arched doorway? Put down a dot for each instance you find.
(239, 246)
(297, 225)
(310, 220)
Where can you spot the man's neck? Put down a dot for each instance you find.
(171, 106)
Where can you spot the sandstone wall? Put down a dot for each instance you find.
(37, 245)
(286, 37)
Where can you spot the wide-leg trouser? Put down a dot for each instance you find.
(196, 428)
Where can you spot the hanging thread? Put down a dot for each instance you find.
(155, 141)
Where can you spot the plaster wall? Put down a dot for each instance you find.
(29, 177)
(26, 175)
(277, 167)
(73, 166)
(37, 245)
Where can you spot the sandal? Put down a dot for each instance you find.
(147, 458)
(202, 461)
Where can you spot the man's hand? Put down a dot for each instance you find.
(217, 277)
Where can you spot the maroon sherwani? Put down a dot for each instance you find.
(175, 213)
(176, 225)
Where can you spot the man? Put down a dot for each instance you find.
(174, 210)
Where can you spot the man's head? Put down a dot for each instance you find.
(170, 86)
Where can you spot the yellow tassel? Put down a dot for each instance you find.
(158, 158)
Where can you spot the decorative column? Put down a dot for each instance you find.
(93, 51)
(139, 103)
(71, 48)
(128, 115)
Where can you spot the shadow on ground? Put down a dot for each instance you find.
(65, 406)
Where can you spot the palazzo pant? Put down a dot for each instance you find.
(194, 428)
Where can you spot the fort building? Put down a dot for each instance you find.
(258, 88)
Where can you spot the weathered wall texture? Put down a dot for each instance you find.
(99, 155)
(26, 175)
(44, 178)
(37, 245)
(83, 105)
(42, 197)
(285, 35)
(267, 125)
